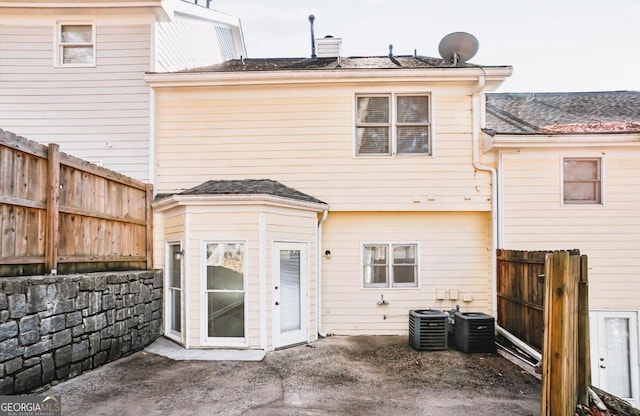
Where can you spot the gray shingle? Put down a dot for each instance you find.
(563, 112)
(249, 187)
(345, 63)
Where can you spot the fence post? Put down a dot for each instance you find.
(584, 352)
(559, 356)
(53, 208)
(149, 230)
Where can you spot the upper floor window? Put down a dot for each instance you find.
(75, 44)
(582, 180)
(390, 265)
(393, 124)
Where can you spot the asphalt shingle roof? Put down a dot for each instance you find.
(563, 112)
(248, 187)
(354, 62)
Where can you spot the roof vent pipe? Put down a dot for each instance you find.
(313, 39)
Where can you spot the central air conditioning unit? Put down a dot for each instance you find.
(474, 332)
(428, 329)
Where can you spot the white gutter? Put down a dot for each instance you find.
(325, 213)
(324, 76)
(476, 113)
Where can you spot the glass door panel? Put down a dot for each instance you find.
(225, 294)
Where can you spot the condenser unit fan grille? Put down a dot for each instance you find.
(428, 329)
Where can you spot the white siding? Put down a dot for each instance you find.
(99, 113)
(455, 253)
(609, 235)
(183, 44)
(303, 137)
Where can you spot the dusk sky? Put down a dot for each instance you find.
(553, 45)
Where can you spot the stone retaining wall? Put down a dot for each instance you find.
(56, 327)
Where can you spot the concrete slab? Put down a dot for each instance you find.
(170, 349)
(350, 376)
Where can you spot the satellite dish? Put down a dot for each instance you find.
(458, 47)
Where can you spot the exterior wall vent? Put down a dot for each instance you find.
(328, 47)
(428, 329)
(474, 332)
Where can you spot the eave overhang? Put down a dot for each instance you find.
(236, 200)
(493, 76)
(528, 140)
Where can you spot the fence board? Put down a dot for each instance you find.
(65, 214)
(521, 294)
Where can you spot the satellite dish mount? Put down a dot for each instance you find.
(458, 47)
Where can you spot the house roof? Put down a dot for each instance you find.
(246, 187)
(563, 112)
(357, 62)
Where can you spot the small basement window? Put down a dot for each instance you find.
(75, 44)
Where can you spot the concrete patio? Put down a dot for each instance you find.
(334, 376)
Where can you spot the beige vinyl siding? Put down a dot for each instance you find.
(455, 250)
(303, 137)
(99, 113)
(609, 234)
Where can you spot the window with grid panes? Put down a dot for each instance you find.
(393, 125)
(76, 44)
(581, 181)
(390, 265)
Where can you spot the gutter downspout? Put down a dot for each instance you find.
(325, 213)
(475, 109)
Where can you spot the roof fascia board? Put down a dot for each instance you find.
(523, 141)
(323, 76)
(221, 200)
(75, 5)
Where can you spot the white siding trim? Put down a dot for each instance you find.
(262, 276)
(186, 267)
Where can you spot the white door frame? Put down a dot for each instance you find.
(599, 351)
(300, 335)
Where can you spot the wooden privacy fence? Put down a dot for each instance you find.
(61, 214)
(543, 300)
(520, 287)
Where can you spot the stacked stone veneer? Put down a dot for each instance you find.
(56, 327)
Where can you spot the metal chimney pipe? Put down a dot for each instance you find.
(313, 39)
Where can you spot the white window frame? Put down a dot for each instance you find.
(390, 284)
(169, 332)
(393, 124)
(577, 203)
(204, 318)
(59, 46)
